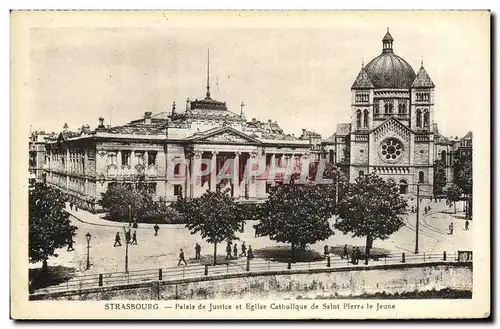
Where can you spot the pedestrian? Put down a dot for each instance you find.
(358, 255)
(346, 253)
(466, 224)
(127, 236)
(135, 225)
(76, 207)
(326, 251)
(156, 228)
(250, 252)
(353, 256)
(228, 250)
(71, 206)
(70, 242)
(243, 249)
(235, 251)
(197, 249)
(117, 240)
(182, 259)
(134, 237)
(451, 228)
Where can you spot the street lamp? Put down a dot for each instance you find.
(88, 237)
(126, 250)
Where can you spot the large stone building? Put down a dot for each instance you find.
(392, 130)
(166, 153)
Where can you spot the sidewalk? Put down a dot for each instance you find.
(96, 219)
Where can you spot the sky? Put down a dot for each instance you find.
(294, 69)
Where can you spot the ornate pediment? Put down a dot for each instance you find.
(394, 127)
(227, 135)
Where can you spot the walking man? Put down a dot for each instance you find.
(235, 251)
(70, 242)
(346, 253)
(197, 249)
(71, 206)
(466, 224)
(250, 252)
(451, 228)
(117, 240)
(182, 259)
(135, 225)
(228, 250)
(353, 256)
(156, 228)
(243, 249)
(134, 237)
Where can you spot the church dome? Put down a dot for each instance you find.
(388, 70)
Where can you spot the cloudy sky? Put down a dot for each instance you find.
(295, 69)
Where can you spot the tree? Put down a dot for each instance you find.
(453, 194)
(371, 207)
(124, 202)
(440, 179)
(214, 215)
(463, 174)
(297, 214)
(49, 225)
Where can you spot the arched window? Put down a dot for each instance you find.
(420, 176)
(391, 108)
(358, 118)
(365, 118)
(426, 118)
(443, 156)
(403, 186)
(419, 118)
(402, 108)
(386, 108)
(376, 108)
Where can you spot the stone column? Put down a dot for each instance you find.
(196, 183)
(236, 175)
(67, 160)
(213, 172)
(187, 189)
(119, 159)
(146, 159)
(251, 180)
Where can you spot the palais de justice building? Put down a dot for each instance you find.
(392, 132)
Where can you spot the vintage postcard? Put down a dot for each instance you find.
(250, 164)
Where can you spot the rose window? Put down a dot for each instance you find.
(391, 149)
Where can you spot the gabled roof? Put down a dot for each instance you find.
(422, 80)
(468, 135)
(225, 135)
(362, 81)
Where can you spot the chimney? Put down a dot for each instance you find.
(147, 118)
(101, 124)
(303, 131)
(173, 107)
(269, 121)
(254, 120)
(188, 104)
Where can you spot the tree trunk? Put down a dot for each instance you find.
(455, 206)
(45, 268)
(215, 253)
(292, 252)
(367, 248)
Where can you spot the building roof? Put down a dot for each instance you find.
(137, 130)
(362, 81)
(388, 70)
(422, 80)
(468, 135)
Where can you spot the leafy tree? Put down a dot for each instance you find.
(49, 225)
(453, 194)
(297, 214)
(214, 215)
(372, 208)
(123, 202)
(440, 178)
(463, 175)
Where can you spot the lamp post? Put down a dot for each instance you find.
(417, 221)
(88, 237)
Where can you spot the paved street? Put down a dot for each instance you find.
(163, 250)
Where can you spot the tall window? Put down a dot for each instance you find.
(139, 158)
(402, 108)
(443, 156)
(126, 158)
(419, 118)
(178, 190)
(365, 118)
(358, 118)
(420, 176)
(177, 166)
(403, 186)
(426, 118)
(112, 160)
(376, 109)
(151, 158)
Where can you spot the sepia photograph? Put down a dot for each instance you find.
(183, 164)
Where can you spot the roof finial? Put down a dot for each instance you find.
(387, 29)
(241, 111)
(422, 61)
(208, 74)
(362, 63)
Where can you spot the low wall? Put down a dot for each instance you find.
(307, 284)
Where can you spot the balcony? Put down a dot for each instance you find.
(131, 173)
